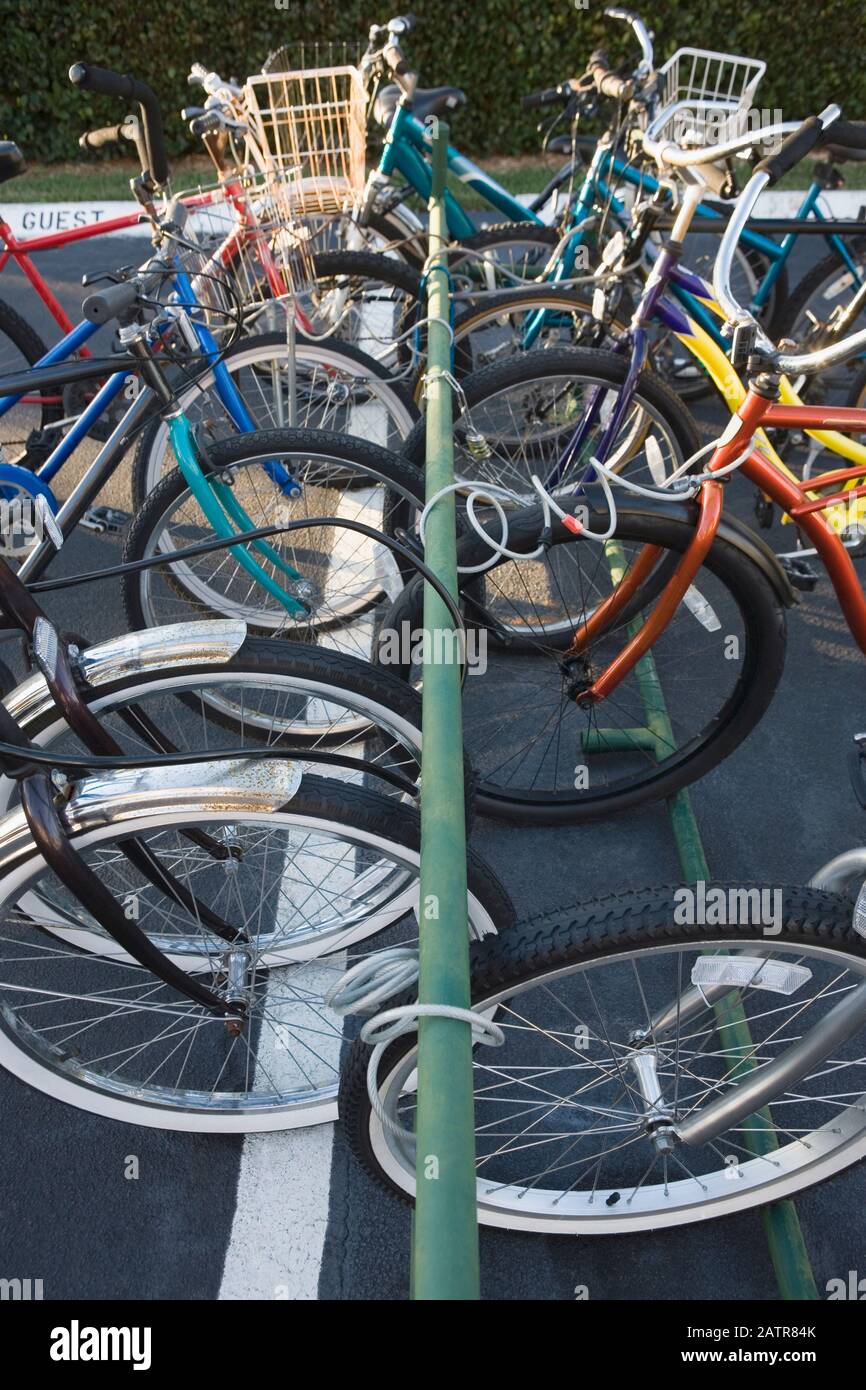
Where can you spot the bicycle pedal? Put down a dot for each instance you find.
(106, 520)
(799, 572)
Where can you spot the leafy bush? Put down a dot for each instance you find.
(495, 49)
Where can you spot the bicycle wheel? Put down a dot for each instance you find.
(336, 387)
(347, 578)
(826, 289)
(541, 757)
(597, 1004)
(21, 347)
(367, 300)
(503, 256)
(309, 871)
(261, 693)
(527, 408)
(496, 326)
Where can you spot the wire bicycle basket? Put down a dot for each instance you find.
(307, 135)
(242, 249)
(705, 97)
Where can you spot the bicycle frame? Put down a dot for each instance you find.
(406, 151)
(756, 411)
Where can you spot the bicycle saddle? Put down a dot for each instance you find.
(11, 161)
(562, 144)
(432, 101)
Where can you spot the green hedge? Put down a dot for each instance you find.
(495, 49)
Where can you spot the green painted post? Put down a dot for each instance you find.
(781, 1223)
(445, 1233)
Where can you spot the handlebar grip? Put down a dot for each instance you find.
(197, 74)
(545, 98)
(846, 135)
(407, 20)
(114, 84)
(209, 120)
(792, 149)
(110, 303)
(107, 135)
(606, 80)
(104, 81)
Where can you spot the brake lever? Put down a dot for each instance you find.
(857, 768)
(114, 277)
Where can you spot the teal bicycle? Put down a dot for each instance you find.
(599, 202)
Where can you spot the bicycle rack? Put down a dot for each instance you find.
(781, 1224)
(445, 1260)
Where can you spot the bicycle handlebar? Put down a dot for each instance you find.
(641, 33)
(106, 135)
(796, 146)
(549, 97)
(117, 300)
(607, 82)
(205, 122)
(212, 82)
(113, 84)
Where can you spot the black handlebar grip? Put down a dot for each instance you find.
(545, 98)
(103, 80)
(209, 120)
(792, 149)
(846, 135)
(110, 303)
(107, 135)
(115, 84)
(407, 20)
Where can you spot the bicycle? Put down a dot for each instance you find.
(329, 383)
(174, 864)
(666, 1056)
(606, 710)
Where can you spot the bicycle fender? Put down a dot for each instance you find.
(208, 643)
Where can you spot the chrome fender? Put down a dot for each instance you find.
(150, 796)
(155, 649)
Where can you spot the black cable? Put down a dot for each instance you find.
(22, 753)
(261, 533)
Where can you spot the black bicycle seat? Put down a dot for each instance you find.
(432, 101)
(847, 142)
(11, 161)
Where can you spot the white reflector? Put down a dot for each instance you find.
(749, 972)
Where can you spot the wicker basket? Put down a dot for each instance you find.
(307, 136)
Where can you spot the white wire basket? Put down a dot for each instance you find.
(240, 250)
(308, 136)
(705, 97)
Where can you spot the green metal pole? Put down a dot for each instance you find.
(781, 1223)
(445, 1233)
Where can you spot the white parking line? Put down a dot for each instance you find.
(281, 1212)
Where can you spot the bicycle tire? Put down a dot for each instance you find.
(148, 461)
(553, 946)
(317, 807)
(745, 590)
(403, 497)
